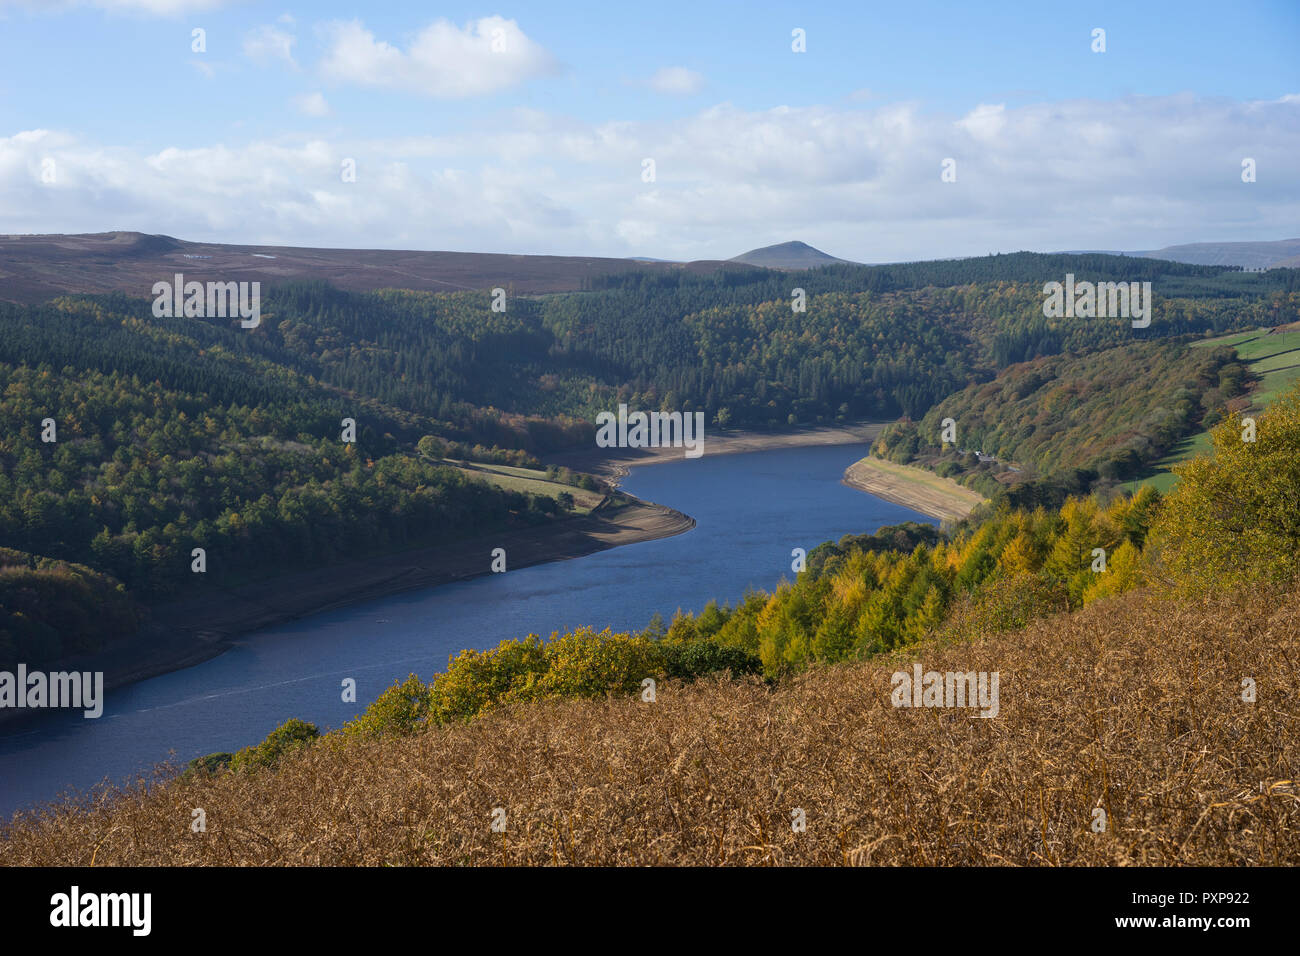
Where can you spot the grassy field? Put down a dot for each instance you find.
(1273, 356)
(530, 480)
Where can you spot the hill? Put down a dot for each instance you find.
(35, 268)
(127, 442)
(185, 432)
(1250, 255)
(1107, 414)
(1272, 355)
(1275, 254)
(787, 255)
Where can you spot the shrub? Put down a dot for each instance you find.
(590, 663)
(478, 679)
(1004, 604)
(402, 709)
(583, 663)
(289, 736)
(696, 658)
(210, 764)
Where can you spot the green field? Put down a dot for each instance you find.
(529, 480)
(1274, 357)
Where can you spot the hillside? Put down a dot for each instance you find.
(1274, 254)
(129, 442)
(1250, 255)
(1112, 413)
(787, 255)
(177, 433)
(1272, 356)
(1132, 706)
(35, 268)
(1142, 713)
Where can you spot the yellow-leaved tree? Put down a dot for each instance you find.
(1234, 517)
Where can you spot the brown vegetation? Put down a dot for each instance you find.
(43, 266)
(1132, 705)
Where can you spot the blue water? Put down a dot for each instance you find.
(751, 511)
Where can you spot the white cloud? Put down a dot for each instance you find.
(677, 81)
(270, 43)
(311, 104)
(1134, 173)
(984, 122)
(486, 56)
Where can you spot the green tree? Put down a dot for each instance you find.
(1233, 516)
(292, 735)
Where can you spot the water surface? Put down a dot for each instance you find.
(751, 509)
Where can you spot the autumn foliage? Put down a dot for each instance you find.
(1147, 716)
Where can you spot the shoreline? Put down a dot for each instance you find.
(172, 640)
(613, 464)
(913, 488)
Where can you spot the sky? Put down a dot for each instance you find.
(900, 131)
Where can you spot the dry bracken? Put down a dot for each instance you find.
(1133, 705)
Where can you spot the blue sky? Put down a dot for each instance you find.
(539, 145)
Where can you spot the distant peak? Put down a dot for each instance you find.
(787, 255)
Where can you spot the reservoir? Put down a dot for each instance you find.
(751, 511)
